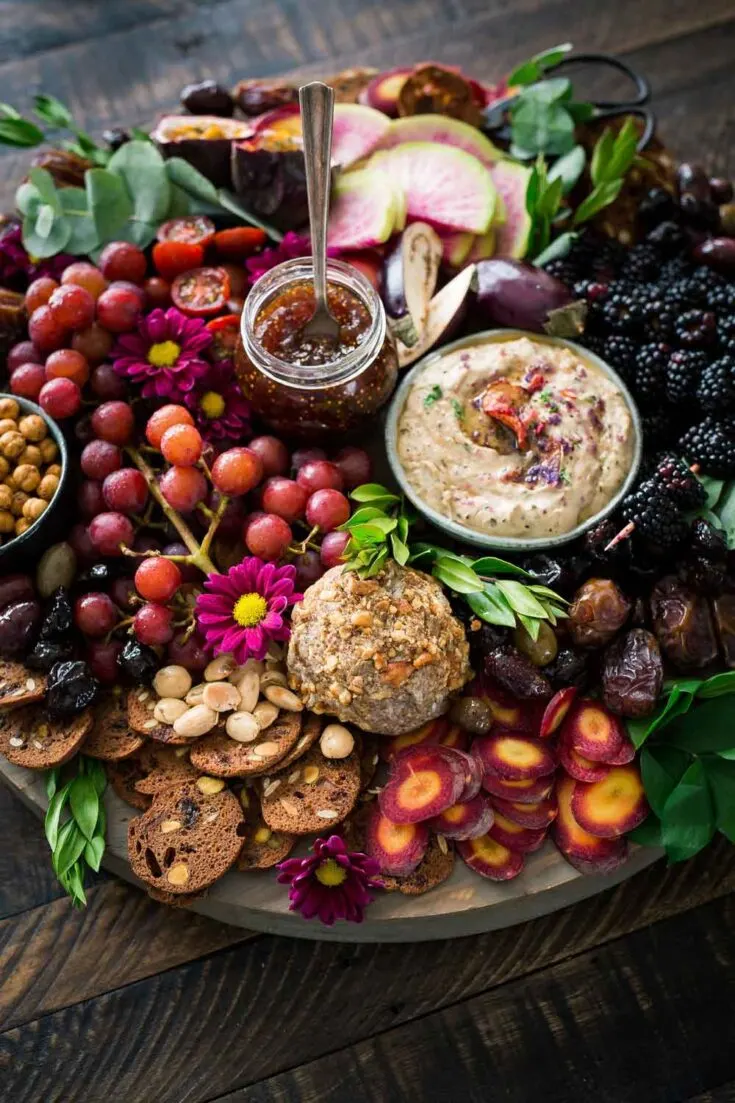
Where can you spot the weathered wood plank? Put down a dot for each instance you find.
(26, 877)
(632, 1021)
(302, 1000)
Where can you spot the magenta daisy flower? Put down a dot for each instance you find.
(292, 245)
(243, 610)
(165, 355)
(18, 268)
(331, 883)
(219, 408)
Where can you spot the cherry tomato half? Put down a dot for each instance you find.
(194, 229)
(171, 258)
(225, 331)
(201, 292)
(238, 242)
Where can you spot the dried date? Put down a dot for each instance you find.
(632, 673)
(598, 612)
(516, 673)
(723, 608)
(683, 624)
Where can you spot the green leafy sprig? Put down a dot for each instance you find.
(127, 200)
(75, 824)
(719, 506)
(492, 587)
(543, 118)
(23, 133)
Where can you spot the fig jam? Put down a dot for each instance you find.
(305, 387)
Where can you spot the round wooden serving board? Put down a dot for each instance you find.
(465, 904)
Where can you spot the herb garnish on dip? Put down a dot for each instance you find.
(516, 437)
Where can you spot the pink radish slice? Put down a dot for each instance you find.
(445, 313)
(362, 212)
(444, 131)
(357, 132)
(456, 248)
(511, 181)
(444, 186)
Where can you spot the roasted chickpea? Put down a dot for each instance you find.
(47, 487)
(6, 497)
(22, 525)
(9, 408)
(7, 521)
(33, 509)
(49, 449)
(31, 454)
(4, 467)
(12, 444)
(54, 469)
(26, 477)
(7, 425)
(33, 427)
(19, 500)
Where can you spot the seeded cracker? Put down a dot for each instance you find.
(29, 738)
(111, 737)
(141, 703)
(19, 685)
(312, 795)
(262, 848)
(220, 756)
(148, 772)
(187, 839)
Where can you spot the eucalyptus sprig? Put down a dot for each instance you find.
(75, 823)
(544, 116)
(491, 587)
(127, 200)
(23, 133)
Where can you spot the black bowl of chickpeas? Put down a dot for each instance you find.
(33, 478)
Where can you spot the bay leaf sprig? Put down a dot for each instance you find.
(496, 591)
(76, 822)
(22, 133)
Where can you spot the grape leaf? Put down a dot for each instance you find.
(688, 819)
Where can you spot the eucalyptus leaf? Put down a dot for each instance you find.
(535, 67)
(109, 203)
(569, 168)
(234, 206)
(43, 181)
(180, 204)
(82, 230)
(142, 168)
(492, 607)
(688, 820)
(44, 220)
(27, 198)
(84, 804)
(186, 177)
(726, 512)
(48, 244)
(713, 489)
(453, 573)
(558, 248)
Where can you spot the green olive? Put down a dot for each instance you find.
(541, 650)
(473, 714)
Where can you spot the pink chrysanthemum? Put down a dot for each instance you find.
(293, 245)
(18, 268)
(331, 883)
(243, 610)
(219, 408)
(165, 355)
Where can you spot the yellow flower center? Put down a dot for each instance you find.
(249, 610)
(164, 354)
(212, 404)
(330, 873)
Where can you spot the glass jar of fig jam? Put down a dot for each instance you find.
(305, 388)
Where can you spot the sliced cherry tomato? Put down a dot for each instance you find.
(194, 229)
(225, 331)
(238, 242)
(171, 258)
(238, 280)
(201, 292)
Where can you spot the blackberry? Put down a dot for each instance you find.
(657, 206)
(683, 373)
(563, 269)
(672, 474)
(687, 292)
(658, 431)
(649, 379)
(641, 264)
(597, 539)
(696, 329)
(711, 444)
(658, 314)
(621, 312)
(620, 351)
(707, 540)
(726, 333)
(591, 290)
(716, 389)
(722, 299)
(674, 270)
(595, 342)
(657, 519)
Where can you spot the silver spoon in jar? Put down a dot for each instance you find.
(317, 111)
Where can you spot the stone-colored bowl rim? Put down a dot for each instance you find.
(463, 532)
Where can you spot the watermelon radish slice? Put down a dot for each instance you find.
(456, 248)
(443, 185)
(362, 212)
(511, 181)
(444, 131)
(483, 246)
(409, 279)
(446, 311)
(357, 131)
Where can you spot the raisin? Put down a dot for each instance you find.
(632, 673)
(189, 811)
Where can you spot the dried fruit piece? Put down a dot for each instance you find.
(537, 815)
(436, 90)
(556, 711)
(587, 853)
(490, 858)
(632, 673)
(513, 756)
(579, 767)
(683, 624)
(593, 731)
(516, 673)
(612, 806)
(423, 782)
(598, 612)
(524, 840)
(465, 820)
(397, 848)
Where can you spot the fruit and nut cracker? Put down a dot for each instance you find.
(141, 703)
(189, 837)
(312, 794)
(111, 737)
(148, 772)
(29, 738)
(263, 848)
(19, 685)
(221, 756)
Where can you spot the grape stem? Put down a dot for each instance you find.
(199, 553)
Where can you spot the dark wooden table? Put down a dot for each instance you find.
(626, 998)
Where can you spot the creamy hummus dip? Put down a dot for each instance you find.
(515, 438)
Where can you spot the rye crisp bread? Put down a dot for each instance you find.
(111, 737)
(148, 772)
(122, 776)
(220, 756)
(264, 853)
(296, 806)
(19, 685)
(141, 703)
(310, 732)
(187, 839)
(29, 738)
(182, 900)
